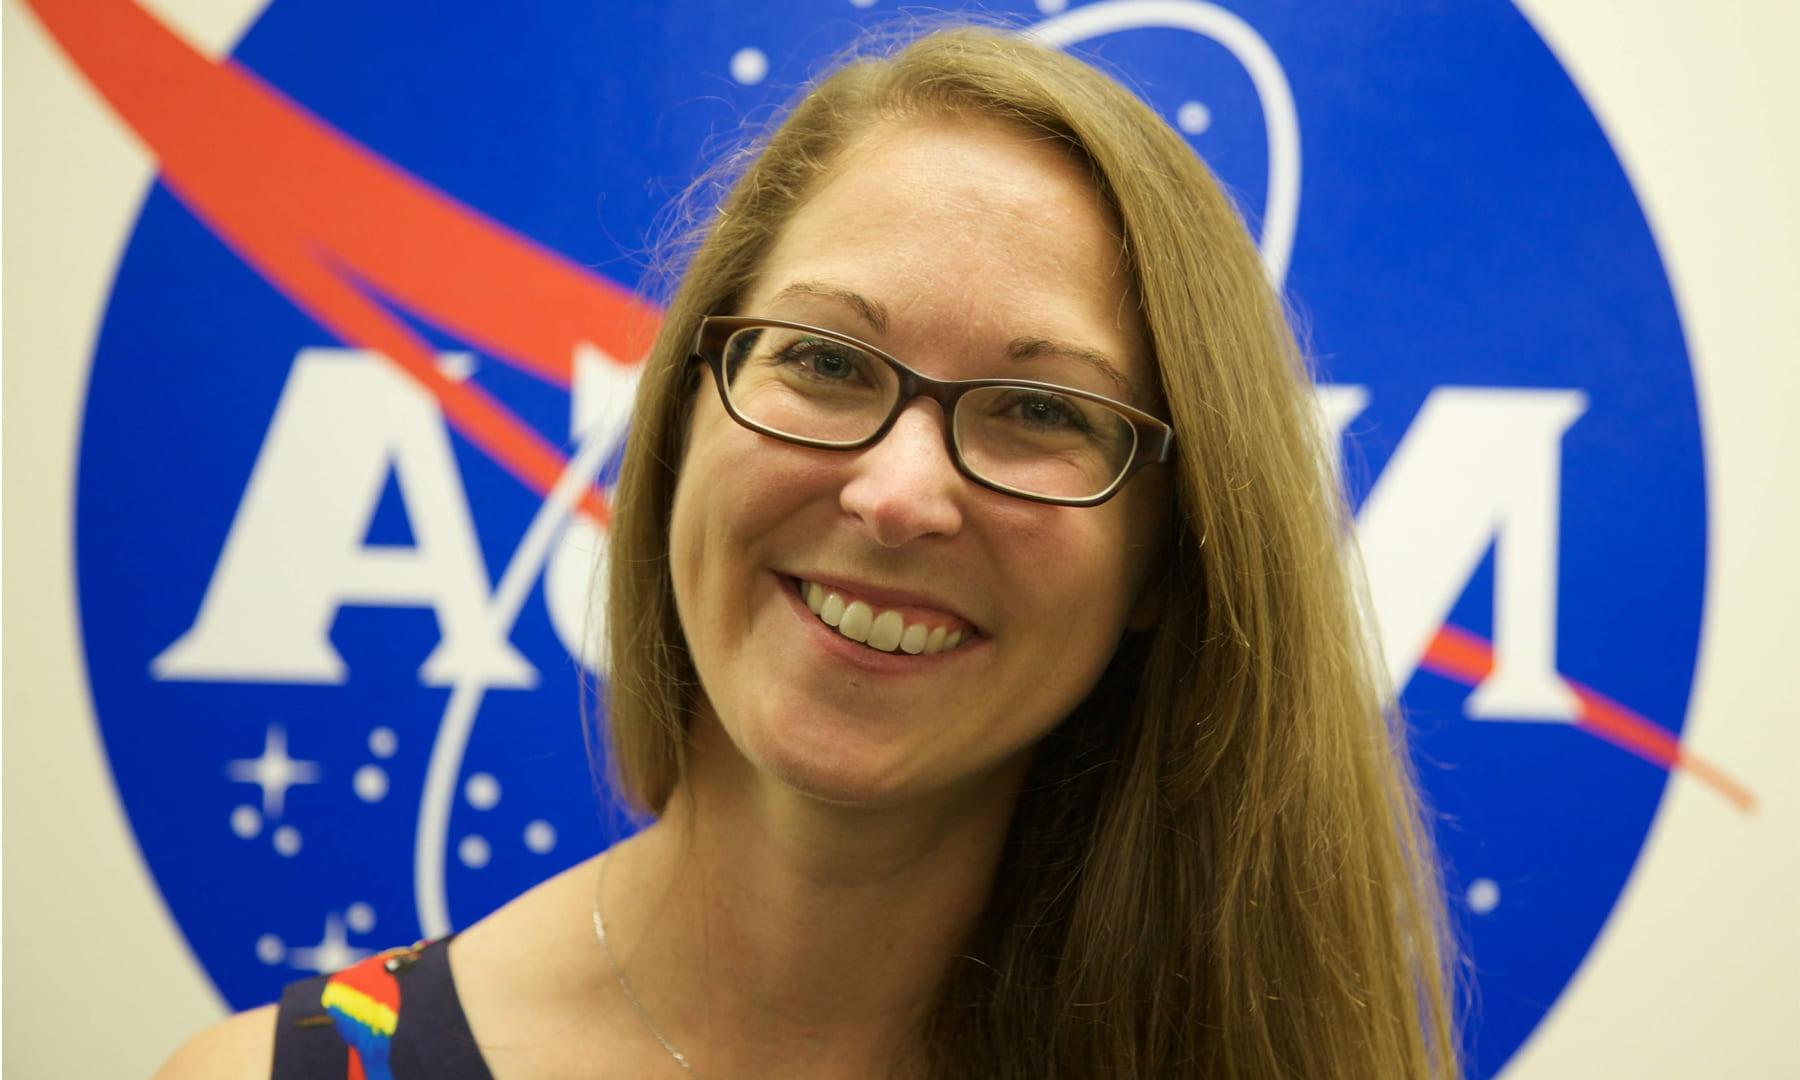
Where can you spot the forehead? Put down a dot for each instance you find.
(970, 234)
(945, 168)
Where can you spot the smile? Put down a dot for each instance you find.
(885, 629)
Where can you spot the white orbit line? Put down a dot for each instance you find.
(1281, 208)
(433, 835)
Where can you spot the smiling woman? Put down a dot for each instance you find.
(918, 220)
(983, 644)
(1149, 816)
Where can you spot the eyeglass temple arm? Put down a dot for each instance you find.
(1165, 445)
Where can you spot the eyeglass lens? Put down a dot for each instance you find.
(811, 386)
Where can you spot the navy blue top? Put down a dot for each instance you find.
(395, 1016)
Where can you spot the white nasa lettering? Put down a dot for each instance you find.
(1477, 467)
(295, 553)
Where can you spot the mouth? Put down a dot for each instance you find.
(907, 629)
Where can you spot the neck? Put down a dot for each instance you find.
(769, 932)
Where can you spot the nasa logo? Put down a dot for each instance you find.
(367, 352)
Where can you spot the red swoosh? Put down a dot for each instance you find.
(329, 223)
(1465, 657)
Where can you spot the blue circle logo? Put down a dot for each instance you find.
(360, 387)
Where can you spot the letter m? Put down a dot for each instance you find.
(1478, 469)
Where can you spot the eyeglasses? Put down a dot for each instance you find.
(1038, 441)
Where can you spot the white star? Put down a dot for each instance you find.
(274, 771)
(334, 953)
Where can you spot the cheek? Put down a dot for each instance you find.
(1094, 556)
(741, 500)
(697, 516)
(685, 556)
(1073, 580)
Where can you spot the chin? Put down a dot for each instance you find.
(841, 770)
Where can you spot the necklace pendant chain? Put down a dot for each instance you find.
(624, 983)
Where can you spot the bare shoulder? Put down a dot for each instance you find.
(537, 995)
(240, 1047)
(523, 947)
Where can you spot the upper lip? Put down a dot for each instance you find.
(881, 596)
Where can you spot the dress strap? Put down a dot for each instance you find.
(393, 1016)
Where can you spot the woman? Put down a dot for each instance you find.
(1022, 728)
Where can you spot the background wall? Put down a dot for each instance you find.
(1698, 969)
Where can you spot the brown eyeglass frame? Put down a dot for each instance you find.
(1153, 439)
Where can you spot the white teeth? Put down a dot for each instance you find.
(886, 631)
(832, 610)
(913, 641)
(855, 623)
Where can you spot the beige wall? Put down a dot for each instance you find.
(1698, 973)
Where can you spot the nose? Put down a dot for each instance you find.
(905, 486)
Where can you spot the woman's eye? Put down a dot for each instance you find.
(1042, 412)
(820, 359)
(833, 365)
(1049, 411)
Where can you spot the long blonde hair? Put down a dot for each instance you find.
(1218, 865)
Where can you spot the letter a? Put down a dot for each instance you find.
(295, 553)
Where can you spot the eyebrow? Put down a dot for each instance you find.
(1026, 348)
(871, 311)
(1018, 350)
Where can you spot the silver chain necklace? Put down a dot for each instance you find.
(624, 983)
